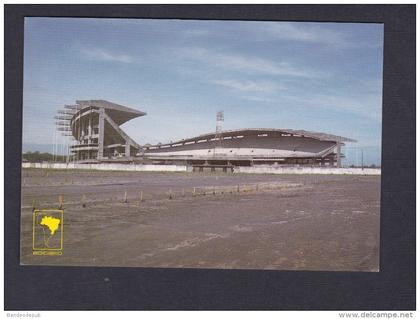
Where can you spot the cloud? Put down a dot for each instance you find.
(365, 105)
(103, 55)
(249, 86)
(195, 32)
(305, 32)
(260, 99)
(248, 64)
(320, 33)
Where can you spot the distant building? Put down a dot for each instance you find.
(95, 125)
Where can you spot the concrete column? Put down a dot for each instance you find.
(101, 133)
(127, 148)
(338, 154)
(90, 128)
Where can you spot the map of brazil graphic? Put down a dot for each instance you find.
(47, 232)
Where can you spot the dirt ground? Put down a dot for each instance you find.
(285, 222)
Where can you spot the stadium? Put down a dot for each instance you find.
(94, 125)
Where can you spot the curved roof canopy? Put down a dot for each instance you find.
(253, 131)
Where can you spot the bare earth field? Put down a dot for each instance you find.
(293, 222)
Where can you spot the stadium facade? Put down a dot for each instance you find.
(95, 127)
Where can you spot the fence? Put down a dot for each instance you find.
(139, 196)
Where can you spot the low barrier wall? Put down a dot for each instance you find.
(262, 169)
(306, 170)
(110, 167)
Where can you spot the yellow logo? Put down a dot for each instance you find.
(47, 232)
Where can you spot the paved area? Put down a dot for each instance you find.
(285, 222)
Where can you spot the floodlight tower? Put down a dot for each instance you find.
(220, 117)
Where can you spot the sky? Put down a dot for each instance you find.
(324, 77)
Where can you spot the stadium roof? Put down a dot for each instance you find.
(119, 113)
(253, 131)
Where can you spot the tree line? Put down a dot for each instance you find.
(38, 157)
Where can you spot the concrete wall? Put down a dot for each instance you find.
(266, 169)
(262, 169)
(110, 167)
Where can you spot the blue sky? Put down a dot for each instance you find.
(323, 77)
